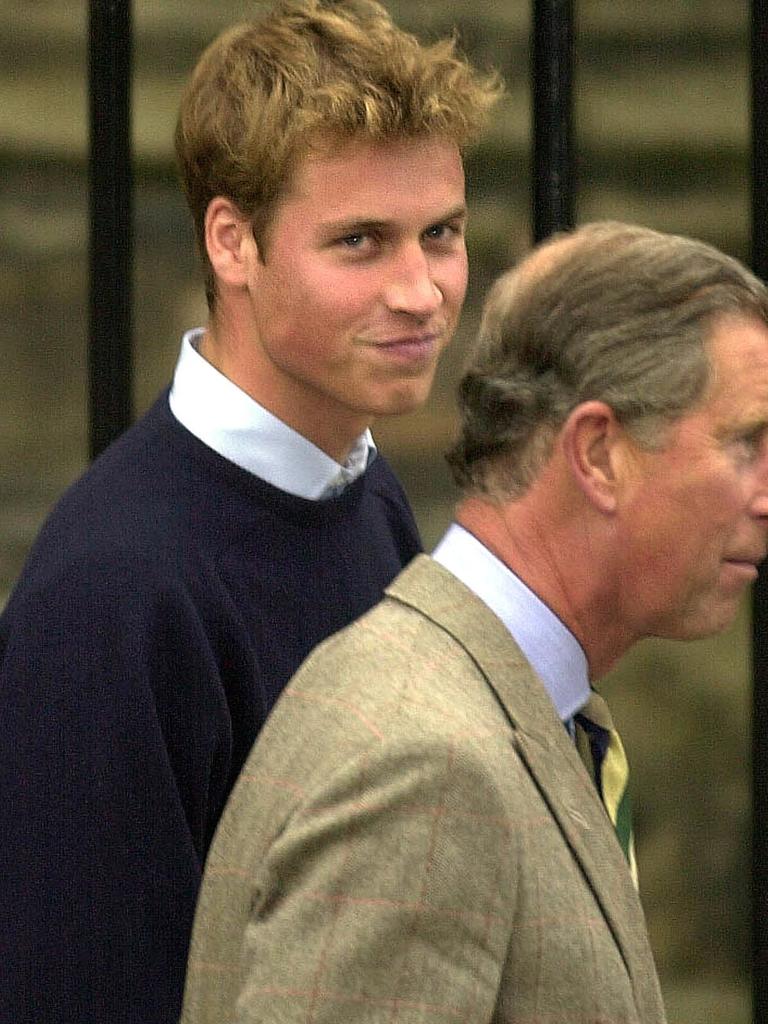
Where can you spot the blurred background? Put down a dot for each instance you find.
(662, 129)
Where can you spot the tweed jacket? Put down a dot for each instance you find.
(415, 839)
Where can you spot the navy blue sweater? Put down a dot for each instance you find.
(165, 604)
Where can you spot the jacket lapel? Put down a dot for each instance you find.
(543, 744)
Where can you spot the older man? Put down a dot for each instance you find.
(415, 836)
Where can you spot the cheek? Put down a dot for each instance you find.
(338, 301)
(667, 530)
(700, 526)
(453, 282)
(319, 333)
(719, 507)
(320, 308)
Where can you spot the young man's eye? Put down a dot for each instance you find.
(355, 240)
(443, 232)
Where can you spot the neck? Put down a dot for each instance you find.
(240, 360)
(557, 561)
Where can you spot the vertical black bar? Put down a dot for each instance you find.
(759, 42)
(111, 209)
(552, 90)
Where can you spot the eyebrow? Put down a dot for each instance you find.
(748, 427)
(369, 224)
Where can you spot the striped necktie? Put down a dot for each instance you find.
(603, 753)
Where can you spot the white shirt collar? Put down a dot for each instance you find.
(550, 647)
(228, 420)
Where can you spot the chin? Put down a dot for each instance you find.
(716, 621)
(398, 404)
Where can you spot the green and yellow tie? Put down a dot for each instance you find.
(603, 752)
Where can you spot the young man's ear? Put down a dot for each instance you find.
(593, 443)
(229, 242)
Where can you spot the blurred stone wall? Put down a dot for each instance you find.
(662, 129)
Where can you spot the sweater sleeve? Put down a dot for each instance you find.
(112, 747)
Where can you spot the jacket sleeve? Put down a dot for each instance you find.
(111, 728)
(388, 894)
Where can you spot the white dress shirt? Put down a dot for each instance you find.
(224, 417)
(550, 647)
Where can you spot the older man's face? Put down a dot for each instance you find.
(695, 526)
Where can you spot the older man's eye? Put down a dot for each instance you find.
(753, 443)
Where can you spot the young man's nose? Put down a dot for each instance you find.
(411, 287)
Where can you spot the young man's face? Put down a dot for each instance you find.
(697, 526)
(359, 286)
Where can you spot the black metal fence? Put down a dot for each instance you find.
(111, 221)
(552, 170)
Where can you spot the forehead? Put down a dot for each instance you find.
(348, 177)
(738, 354)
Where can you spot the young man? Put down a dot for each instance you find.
(415, 836)
(178, 585)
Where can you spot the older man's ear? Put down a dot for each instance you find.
(596, 449)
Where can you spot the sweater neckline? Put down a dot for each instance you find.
(252, 486)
